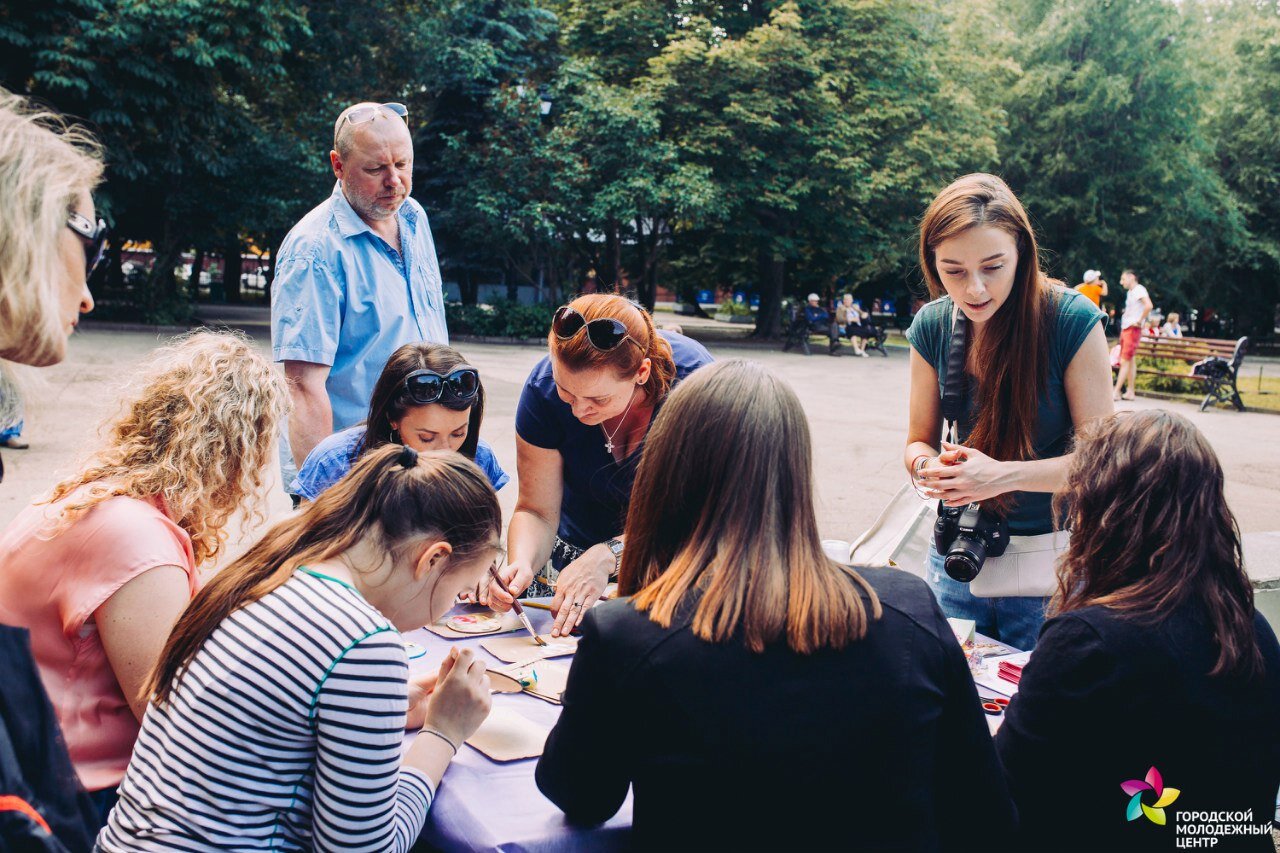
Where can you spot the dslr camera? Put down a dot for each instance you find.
(965, 536)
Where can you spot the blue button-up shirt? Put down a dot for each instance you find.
(343, 297)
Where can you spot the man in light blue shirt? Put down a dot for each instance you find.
(356, 278)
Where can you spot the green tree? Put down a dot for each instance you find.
(823, 127)
(1107, 145)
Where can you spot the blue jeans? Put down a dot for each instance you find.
(1015, 620)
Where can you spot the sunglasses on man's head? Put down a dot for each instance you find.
(360, 115)
(604, 334)
(95, 240)
(427, 386)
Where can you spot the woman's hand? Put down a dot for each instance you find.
(515, 580)
(962, 475)
(579, 587)
(419, 689)
(460, 699)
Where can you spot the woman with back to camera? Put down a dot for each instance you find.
(427, 398)
(773, 699)
(1035, 369)
(1155, 656)
(581, 423)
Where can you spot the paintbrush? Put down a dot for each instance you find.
(524, 619)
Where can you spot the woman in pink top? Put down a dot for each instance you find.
(101, 570)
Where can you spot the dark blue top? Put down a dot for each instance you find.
(597, 489)
(814, 314)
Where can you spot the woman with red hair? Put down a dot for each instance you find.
(580, 426)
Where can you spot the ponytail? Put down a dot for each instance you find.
(393, 493)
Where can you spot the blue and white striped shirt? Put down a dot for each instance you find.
(284, 732)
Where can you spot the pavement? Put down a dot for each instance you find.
(856, 407)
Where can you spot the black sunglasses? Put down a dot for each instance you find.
(427, 386)
(604, 334)
(95, 240)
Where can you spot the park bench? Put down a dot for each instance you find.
(1214, 363)
(796, 333)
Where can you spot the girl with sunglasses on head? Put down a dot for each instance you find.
(427, 398)
(580, 426)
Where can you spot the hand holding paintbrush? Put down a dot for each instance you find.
(524, 619)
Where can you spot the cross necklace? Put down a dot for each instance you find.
(608, 438)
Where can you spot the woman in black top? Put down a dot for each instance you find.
(755, 694)
(1156, 658)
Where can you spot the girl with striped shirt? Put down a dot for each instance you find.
(280, 702)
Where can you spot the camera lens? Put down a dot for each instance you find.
(965, 559)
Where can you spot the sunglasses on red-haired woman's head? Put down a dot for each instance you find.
(604, 334)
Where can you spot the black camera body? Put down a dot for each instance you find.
(965, 536)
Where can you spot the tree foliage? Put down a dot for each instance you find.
(773, 146)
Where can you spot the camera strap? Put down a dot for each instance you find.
(955, 388)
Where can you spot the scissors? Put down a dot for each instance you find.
(996, 706)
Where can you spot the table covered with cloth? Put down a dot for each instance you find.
(488, 805)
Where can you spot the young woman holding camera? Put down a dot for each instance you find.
(1035, 368)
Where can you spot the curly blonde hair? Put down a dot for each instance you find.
(198, 436)
(45, 165)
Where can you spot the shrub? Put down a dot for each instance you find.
(500, 319)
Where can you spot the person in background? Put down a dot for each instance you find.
(100, 570)
(50, 243)
(356, 279)
(1154, 615)
(1172, 327)
(11, 421)
(1137, 305)
(279, 706)
(1093, 287)
(580, 426)
(820, 322)
(427, 398)
(851, 318)
(1036, 369)
(745, 654)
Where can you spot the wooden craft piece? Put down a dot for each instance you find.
(476, 623)
(508, 736)
(543, 679)
(523, 649)
(503, 682)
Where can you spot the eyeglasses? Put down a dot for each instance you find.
(95, 237)
(427, 386)
(360, 115)
(604, 334)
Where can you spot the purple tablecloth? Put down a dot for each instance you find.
(487, 805)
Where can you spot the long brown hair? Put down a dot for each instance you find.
(1144, 495)
(389, 401)
(441, 495)
(723, 506)
(1011, 352)
(578, 354)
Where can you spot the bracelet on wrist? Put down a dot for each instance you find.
(426, 730)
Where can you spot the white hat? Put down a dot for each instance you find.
(1091, 276)
(813, 297)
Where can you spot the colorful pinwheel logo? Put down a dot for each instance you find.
(1164, 797)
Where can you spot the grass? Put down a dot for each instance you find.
(1268, 399)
